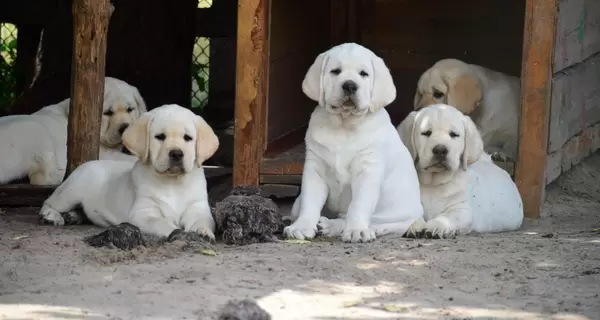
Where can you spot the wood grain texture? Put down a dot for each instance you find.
(252, 82)
(536, 73)
(90, 30)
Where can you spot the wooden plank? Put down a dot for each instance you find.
(24, 195)
(577, 32)
(536, 73)
(90, 30)
(290, 162)
(575, 101)
(252, 82)
(285, 142)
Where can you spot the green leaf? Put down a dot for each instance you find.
(12, 44)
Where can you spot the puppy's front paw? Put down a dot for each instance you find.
(205, 233)
(416, 230)
(330, 227)
(51, 216)
(353, 234)
(300, 230)
(439, 229)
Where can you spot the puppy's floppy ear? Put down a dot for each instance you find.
(464, 93)
(473, 143)
(136, 137)
(418, 97)
(312, 85)
(207, 141)
(406, 130)
(139, 100)
(383, 90)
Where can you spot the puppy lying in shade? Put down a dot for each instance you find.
(457, 197)
(491, 98)
(163, 192)
(35, 145)
(358, 180)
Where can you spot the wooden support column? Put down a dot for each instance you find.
(251, 91)
(536, 87)
(90, 29)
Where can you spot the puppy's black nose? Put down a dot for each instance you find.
(349, 87)
(122, 128)
(440, 151)
(176, 155)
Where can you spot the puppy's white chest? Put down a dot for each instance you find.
(172, 203)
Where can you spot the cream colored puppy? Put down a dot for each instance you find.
(491, 98)
(36, 145)
(457, 198)
(163, 191)
(356, 171)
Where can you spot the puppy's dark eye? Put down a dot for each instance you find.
(130, 109)
(426, 133)
(454, 134)
(336, 71)
(437, 94)
(364, 74)
(108, 113)
(187, 137)
(160, 137)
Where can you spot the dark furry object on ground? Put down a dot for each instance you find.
(126, 236)
(246, 217)
(243, 310)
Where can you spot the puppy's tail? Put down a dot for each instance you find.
(243, 310)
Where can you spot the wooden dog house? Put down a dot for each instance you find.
(278, 40)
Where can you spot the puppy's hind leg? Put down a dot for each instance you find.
(64, 199)
(44, 171)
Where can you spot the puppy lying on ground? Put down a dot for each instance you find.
(491, 98)
(356, 170)
(163, 192)
(457, 198)
(36, 145)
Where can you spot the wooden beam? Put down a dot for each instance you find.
(251, 90)
(90, 30)
(536, 76)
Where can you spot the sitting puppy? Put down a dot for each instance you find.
(457, 198)
(36, 145)
(491, 98)
(356, 169)
(165, 190)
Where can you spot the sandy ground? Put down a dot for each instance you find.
(550, 269)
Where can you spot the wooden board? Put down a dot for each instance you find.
(575, 101)
(90, 30)
(289, 162)
(252, 87)
(577, 32)
(536, 73)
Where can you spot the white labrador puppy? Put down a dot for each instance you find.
(163, 191)
(36, 145)
(491, 98)
(457, 197)
(356, 171)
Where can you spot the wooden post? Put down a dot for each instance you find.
(251, 91)
(536, 87)
(90, 29)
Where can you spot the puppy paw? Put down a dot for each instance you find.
(358, 235)
(206, 234)
(299, 230)
(330, 227)
(416, 230)
(51, 216)
(439, 229)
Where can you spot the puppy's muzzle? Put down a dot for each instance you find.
(440, 152)
(349, 87)
(176, 156)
